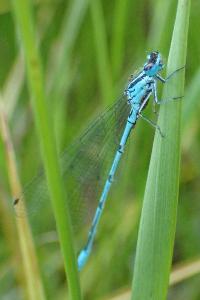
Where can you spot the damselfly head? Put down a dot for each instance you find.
(154, 63)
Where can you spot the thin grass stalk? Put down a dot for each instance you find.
(59, 80)
(23, 18)
(71, 25)
(13, 85)
(32, 278)
(14, 82)
(118, 39)
(101, 45)
(10, 235)
(158, 219)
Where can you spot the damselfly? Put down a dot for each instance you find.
(89, 165)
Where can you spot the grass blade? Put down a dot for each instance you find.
(104, 70)
(118, 40)
(72, 22)
(180, 272)
(22, 11)
(158, 219)
(32, 278)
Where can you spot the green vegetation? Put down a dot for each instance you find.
(158, 218)
(87, 50)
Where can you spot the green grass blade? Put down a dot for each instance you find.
(104, 70)
(70, 29)
(59, 81)
(118, 40)
(158, 219)
(30, 278)
(22, 11)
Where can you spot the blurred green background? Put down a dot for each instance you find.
(89, 49)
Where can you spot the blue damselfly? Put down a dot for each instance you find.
(89, 165)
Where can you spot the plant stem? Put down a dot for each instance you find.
(158, 219)
(22, 10)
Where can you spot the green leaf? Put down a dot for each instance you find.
(158, 219)
(23, 14)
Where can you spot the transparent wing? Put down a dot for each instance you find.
(84, 165)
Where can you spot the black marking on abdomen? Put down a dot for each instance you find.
(131, 122)
(100, 205)
(119, 149)
(110, 178)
